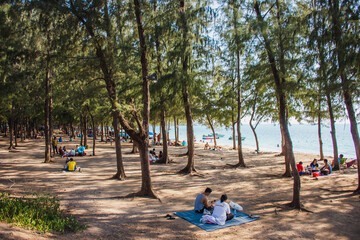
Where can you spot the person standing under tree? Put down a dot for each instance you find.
(54, 145)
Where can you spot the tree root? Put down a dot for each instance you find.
(238, 165)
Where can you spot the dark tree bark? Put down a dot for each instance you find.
(102, 132)
(165, 158)
(345, 81)
(190, 167)
(281, 99)
(233, 122)
(333, 133)
(146, 186)
(241, 162)
(85, 130)
(46, 125)
(11, 127)
(94, 132)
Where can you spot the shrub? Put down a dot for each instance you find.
(41, 213)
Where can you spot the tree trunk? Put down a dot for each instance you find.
(320, 139)
(102, 132)
(11, 127)
(333, 134)
(135, 148)
(46, 125)
(190, 167)
(81, 130)
(345, 82)
(85, 130)
(146, 186)
(93, 131)
(212, 129)
(120, 174)
(281, 99)
(165, 158)
(241, 162)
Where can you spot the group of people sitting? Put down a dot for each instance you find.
(314, 167)
(78, 151)
(215, 148)
(215, 212)
(326, 169)
(153, 157)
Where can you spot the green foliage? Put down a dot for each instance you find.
(41, 213)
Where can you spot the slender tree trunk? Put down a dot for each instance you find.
(333, 133)
(46, 125)
(146, 186)
(94, 133)
(212, 129)
(320, 138)
(81, 130)
(177, 131)
(165, 158)
(85, 130)
(190, 167)
(233, 122)
(254, 132)
(102, 131)
(241, 162)
(281, 99)
(11, 127)
(120, 174)
(345, 82)
(175, 128)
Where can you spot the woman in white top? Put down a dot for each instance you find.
(221, 213)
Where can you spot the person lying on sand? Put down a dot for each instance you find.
(221, 212)
(202, 201)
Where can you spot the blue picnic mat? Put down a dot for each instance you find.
(194, 218)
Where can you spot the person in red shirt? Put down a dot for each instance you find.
(300, 168)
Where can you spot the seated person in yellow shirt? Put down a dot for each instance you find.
(71, 166)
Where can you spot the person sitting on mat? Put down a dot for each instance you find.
(326, 169)
(202, 202)
(221, 213)
(314, 165)
(71, 166)
(300, 168)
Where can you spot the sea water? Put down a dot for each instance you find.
(304, 137)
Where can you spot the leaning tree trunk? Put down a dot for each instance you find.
(281, 99)
(190, 167)
(255, 135)
(345, 82)
(212, 129)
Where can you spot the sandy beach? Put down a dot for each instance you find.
(96, 201)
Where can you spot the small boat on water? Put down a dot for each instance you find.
(212, 135)
(208, 137)
(236, 138)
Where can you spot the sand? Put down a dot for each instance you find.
(93, 197)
